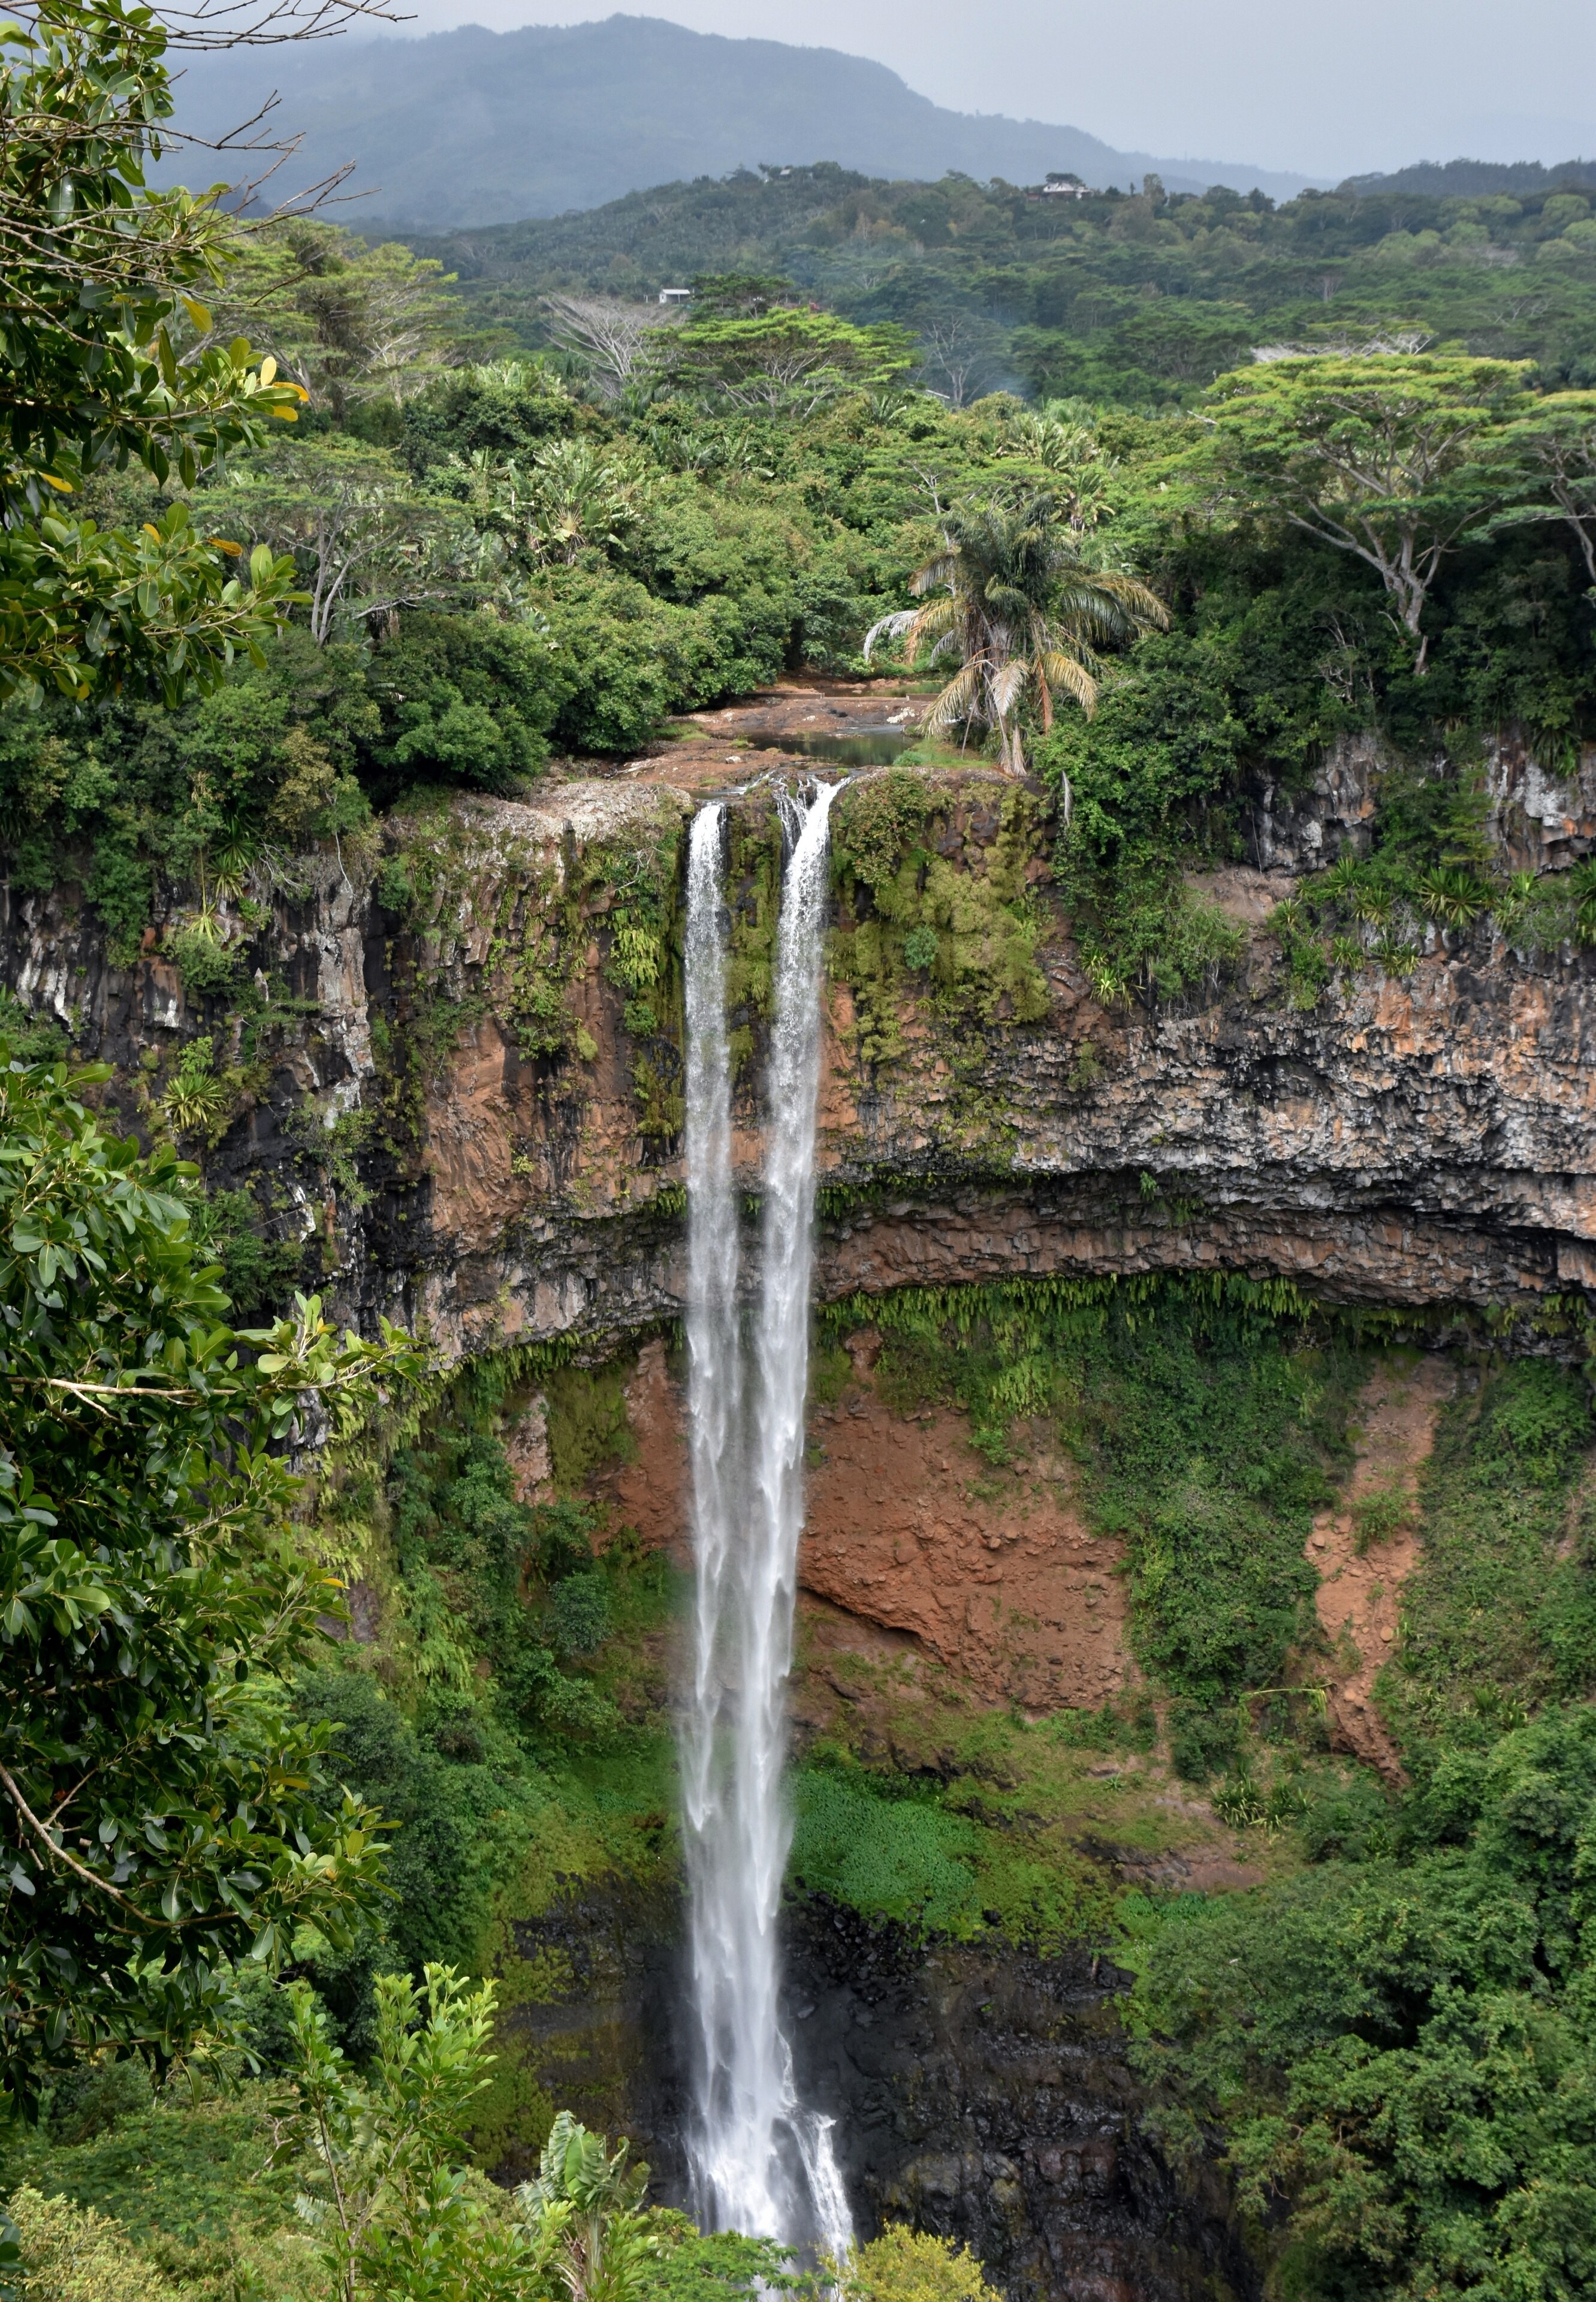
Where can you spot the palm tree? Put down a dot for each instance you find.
(1024, 614)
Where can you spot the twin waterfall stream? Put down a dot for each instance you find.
(760, 2163)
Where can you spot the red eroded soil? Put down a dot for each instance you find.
(649, 1492)
(908, 1533)
(1359, 1599)
(1001, 1579)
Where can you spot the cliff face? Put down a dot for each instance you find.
(983, 2094)
(452, 1074)
(454, 1077)
(452, 1082)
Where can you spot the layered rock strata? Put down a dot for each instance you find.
(1419, 1141)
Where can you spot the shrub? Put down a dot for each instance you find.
(909, 2265)
(615, 646)
(718, 2268)
(505, 408)
(259, 1273)
(464, 700)
(71, 2253)
(209, 967)
(450, 1814)
(579, 1614)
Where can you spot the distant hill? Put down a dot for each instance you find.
(1465, 179)
(647, 239)
(471, 127)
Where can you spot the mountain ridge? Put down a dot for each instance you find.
(471, 127)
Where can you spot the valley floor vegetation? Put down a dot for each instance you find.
(299, 528)
(1402, 2100)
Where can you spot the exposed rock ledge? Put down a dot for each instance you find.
(1422, 1143)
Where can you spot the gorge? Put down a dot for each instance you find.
(1408, 1150)
(797, 1239)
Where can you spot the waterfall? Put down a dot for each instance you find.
(760, 2163)
(714, 1412)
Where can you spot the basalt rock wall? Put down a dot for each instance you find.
(1419, 1141)
(985, 2094)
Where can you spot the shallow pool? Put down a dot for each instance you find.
(864, 747)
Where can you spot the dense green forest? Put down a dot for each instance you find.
(513, 555)
(298, 527)
(1135, 299)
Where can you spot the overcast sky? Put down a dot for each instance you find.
(1329, 89)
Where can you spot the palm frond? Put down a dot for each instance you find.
(941, 616)
(934, 573)
(1007, 685)
(1060, 670)
(1069, 639)
(899, 621)
(1116, 606)
(958, 699)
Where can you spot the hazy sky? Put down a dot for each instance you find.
(1329, 89)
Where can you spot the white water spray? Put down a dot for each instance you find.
(759, 2164)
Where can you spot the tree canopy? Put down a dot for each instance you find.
(110, 357)
(1401, 2051)
(783, 356)
(161, 1812)
(1386, 457)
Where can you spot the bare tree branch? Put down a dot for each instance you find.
(960, 350)
(611, 335)
(217, 24)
